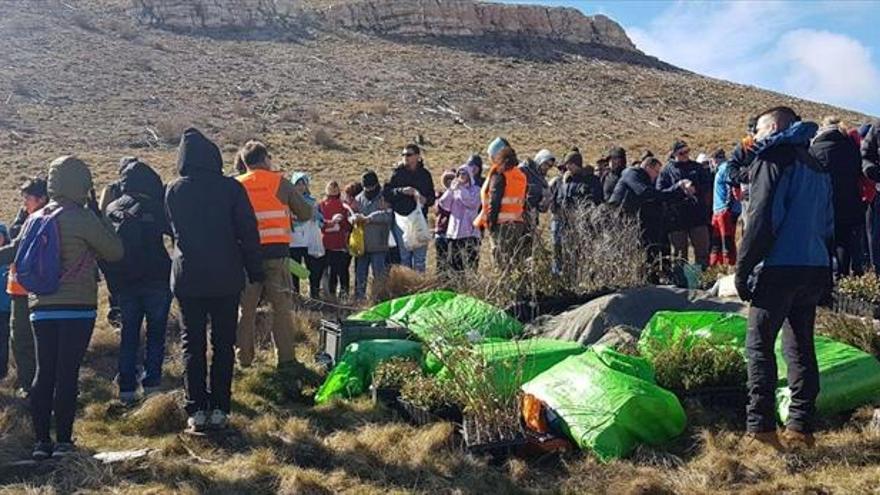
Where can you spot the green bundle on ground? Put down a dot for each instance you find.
(444, 315)
(608, 402)
(353, 373)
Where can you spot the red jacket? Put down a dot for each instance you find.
(335, 235)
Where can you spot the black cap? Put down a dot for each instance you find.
(676, 147)
(369, 180)
(35, 186)
(411, 149)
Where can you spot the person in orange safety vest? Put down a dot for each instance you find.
(504, 203)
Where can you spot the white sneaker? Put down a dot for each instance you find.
(197, 422)
(218, 420)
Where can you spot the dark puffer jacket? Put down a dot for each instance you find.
(139, 219)
(692, 211)
(637, 197)
(839, 155)
(419, 179)
(215, 230)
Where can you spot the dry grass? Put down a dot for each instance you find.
(402, 281)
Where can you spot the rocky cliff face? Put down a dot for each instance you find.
(399, 18)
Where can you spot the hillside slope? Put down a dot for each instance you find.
(333, 97)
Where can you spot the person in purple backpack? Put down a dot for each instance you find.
(63, 312)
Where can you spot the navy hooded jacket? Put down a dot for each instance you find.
(791, 214)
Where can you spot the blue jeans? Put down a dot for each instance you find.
(152, 304)
(415, 259)
(362, 266)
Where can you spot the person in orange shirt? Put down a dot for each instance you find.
(504, 204)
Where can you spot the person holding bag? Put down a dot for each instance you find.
(307, 245)
(411, 189)
(335, 237)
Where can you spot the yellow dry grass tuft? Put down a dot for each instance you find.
(403, 281)
(158, 415)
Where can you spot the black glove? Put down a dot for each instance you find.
(741, 282)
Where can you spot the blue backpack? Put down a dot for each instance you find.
(38, 259)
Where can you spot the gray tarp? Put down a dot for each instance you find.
(586, 324)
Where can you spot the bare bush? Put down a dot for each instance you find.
(474, 113)
(169, 129)
(323, 139)
(402, 281)
(85, 23)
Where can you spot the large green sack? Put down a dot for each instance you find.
(848, 377)
(353, 373)
(506, 365)
(444, 314)
(609, 403)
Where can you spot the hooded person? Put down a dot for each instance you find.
(617, 164)
(726, 210)
(275, 201)
(373, 214)
(688, 219)
(441, 223)
(139, 282)
(784, 269)
(837, 152)
(111, 193)
(306, 245)
(538, 193)
(411, 186)
(462, 201)
(503, 209)
(217, 245)
(475, 166)
(579, 188)
(63, 320)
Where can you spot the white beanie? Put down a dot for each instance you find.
(543, 156)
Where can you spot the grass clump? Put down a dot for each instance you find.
(158, 415)
(857, 332)
(865, 287)
(685, 366)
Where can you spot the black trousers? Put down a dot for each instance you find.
(223, 314)
(60, 348)
(4, 343)
(464, 254)
(777, 298)
(848, 249)
(338, 262)
(316, 270)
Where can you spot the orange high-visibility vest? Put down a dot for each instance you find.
(13, 288)
(512, 203)
(273, 216)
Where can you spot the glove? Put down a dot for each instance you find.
(742, 287)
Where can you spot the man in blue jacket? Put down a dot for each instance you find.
(784, 269)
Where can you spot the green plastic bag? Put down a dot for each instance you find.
(354, 372)
(445, 314)
(848, 377)
(608, 402)
(297, 270)
(509, 364)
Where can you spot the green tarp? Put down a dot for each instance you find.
(353, 373)
(848, 377)
(608, 402)
(505, 366)
(444, 314)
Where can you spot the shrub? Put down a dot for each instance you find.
(425, 392)
(865, 287)
(857, 332)
(683, 366)
(394, 372)
(158, 415)
(169, 129)
(323, 139)
(402, 281)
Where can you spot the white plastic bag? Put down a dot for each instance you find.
(315, 243)
(414, 227)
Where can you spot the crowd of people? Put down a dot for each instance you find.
(808, 192)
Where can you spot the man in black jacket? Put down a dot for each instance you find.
(411, 185)
(578, 188)
(216, 242)
(139, 282)
(838, 153)
(617, 161)
(636, 195)
(870, 151)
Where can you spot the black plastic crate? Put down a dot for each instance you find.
(385, 396)
(495, 442)
(334, 336)
(842, 303)
(420, 416)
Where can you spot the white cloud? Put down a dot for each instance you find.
(760, 43)
(829, 67)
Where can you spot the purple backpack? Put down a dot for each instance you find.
(38, 259)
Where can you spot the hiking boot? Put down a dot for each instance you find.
(794, 439)
(218, 420)
(198, 422)
(42, 451)
(128, 398)
(766, 438)
(63, 449)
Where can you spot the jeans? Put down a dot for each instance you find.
(777, 299)
(316, 269)
(136, 305)
(415, 259)
(223, 313)
(23, 346)
(338, 263)
(61, 346)
(4, 343)
(848, 249)
(699, 239)
(275, 291)
(362, 265)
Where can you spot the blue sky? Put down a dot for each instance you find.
(826, 51)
